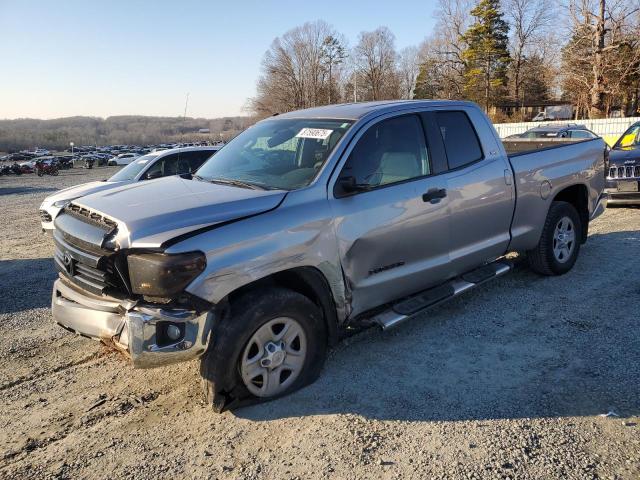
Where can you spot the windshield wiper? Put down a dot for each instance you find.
(236, 183)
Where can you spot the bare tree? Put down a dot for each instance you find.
(375, 59)
(603, 54)
(294, 73)
(529, 21)
(408, 69)
(442, 65)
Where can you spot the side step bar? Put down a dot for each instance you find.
(409, 307)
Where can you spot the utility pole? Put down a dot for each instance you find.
(184, 116)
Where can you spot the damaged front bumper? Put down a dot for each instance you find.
(139, 331)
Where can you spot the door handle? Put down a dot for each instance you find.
(434, 195)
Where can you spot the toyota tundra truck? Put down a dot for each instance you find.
(313, 224)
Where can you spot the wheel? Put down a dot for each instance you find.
(40, 173)
(559, 244)
(266, 345)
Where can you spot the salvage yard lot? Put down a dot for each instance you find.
(511, 380)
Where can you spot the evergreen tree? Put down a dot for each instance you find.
(486, 56)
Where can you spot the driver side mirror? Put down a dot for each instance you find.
(349, 185)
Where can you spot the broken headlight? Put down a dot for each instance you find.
(163, 275)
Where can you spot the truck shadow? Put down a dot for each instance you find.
(26, 284)
(522, 346)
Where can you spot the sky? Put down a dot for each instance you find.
(60, 58)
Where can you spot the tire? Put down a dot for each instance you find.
(549, 258)
(223, 366)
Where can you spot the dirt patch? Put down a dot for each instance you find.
(509, 381)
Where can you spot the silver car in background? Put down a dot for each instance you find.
(177, 161)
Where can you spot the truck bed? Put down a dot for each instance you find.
(541, 168)
(518, 146)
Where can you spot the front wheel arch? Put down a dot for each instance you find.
(308, 281)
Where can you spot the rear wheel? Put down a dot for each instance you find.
(559, 245)
(267, 345)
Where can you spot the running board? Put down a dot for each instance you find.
(418, 303)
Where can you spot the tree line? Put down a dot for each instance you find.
(28, 133)
(494, 52)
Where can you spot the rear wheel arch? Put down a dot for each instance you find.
(578, 196)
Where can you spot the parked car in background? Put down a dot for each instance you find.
(623, 177)
(554, 112)
(311, 224)
(568, 130)
(179, 161)
(122, 159)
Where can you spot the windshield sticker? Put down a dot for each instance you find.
(317, 133)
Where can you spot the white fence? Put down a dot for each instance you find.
(608, 128)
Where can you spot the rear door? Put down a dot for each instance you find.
(479, 187)
(393, 237)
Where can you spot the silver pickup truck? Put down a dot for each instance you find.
(310, 225)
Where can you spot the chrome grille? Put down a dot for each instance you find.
(88, 270)
(625, 172)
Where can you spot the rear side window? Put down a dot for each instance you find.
(459, 138)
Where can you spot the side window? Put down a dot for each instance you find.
(195, 159)
(163, 167)
(390, 151)
(581, 134)
(459, 138)
(171, 164)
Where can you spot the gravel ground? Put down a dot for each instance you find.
(513, 380)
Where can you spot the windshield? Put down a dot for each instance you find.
(280, 154)
(629, 139)
(134, 168)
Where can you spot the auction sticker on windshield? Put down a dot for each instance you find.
(317, 133)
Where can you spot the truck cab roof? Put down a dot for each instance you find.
(359, 110)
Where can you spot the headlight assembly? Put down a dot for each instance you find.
(61, 203)
(163, 275)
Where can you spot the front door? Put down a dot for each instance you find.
(393, 229)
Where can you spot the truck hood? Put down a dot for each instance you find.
(151, 213)
(72, 193)
(624, 156)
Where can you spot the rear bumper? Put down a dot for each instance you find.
(135, 330)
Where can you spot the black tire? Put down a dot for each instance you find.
(542, 259)
(222, 382)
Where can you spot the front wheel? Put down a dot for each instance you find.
(267, 345)
(559, 245)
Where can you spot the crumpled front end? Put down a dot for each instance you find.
(93, 297)
(149, 336)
